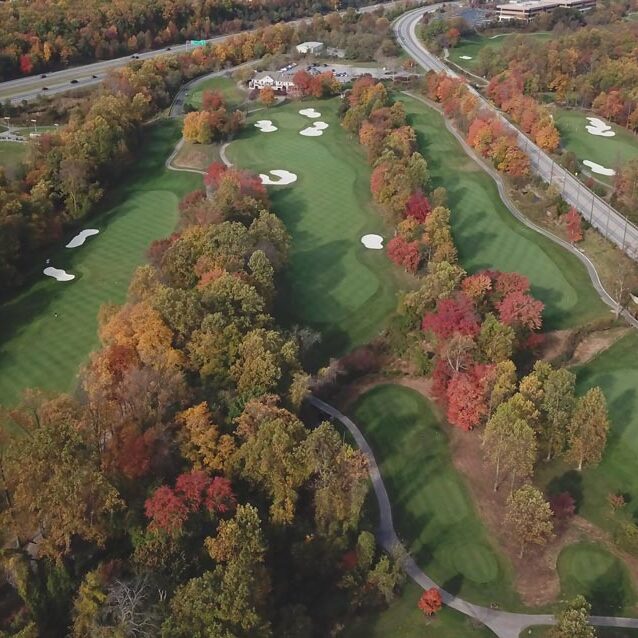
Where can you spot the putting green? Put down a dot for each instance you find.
(49, 329)
(589, 569)
(333, 282)
(610, 152)
(488, 236)
(432, 509)
(403, 619)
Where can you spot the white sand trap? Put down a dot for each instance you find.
(265, 126)
(598, 127)
(57, 273)
(310, 113)
(322, 126)
(80, 238)
(597, 168)
(311, 131)
(375, 242)
(284, 177)
(465, 57)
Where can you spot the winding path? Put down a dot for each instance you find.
(503, 623)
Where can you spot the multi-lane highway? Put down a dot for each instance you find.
(596, 211)
(32, 87)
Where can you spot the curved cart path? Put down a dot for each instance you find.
(503, 623)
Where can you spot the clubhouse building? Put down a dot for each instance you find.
(526, 11)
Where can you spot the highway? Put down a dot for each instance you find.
(609, 222)
(32, 87)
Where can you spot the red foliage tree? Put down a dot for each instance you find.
(212, 100)
(214, 174)
(466, 400)
(453, 315)
(191, 487)
(26, 64)
(521, 310)
(574, 223)
(506, 283)
(303, 81)
(220, 497)
(167, 510)
(430, 601)
(563, 507)
(404, 253)
(417, 207)
(441, 376)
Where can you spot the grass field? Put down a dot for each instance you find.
(333, 283)
(589, 569)
(471, 46)
(433, 511)
(27, 130)
(616, 372)
(226, 86)
(11, 154)
(610, 152)
(403, 619)
(40, 349)
(488, 236)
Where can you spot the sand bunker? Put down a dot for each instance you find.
(284, 177)
(597, 168)
(310, 113)
(375, 242)
(57, 273)
(596, 126)
(465, 57)
(80, 238)
(265, 126)
(315, 130)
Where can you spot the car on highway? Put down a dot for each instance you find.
(74, 81)
(45, 88)
(43, 75)
(94, 76)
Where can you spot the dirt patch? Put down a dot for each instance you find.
(555, 345)
(595, 343)
(196, 156)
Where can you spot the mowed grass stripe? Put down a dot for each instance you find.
(40, 349)
(333, 282)
(488, 236)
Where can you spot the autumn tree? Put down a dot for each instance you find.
(529, 517)
(430, 601)
(267, 96)
(573, 222)
(573, 621)
(587, 430)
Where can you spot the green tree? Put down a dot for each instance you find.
(588, 429)
(557, 405)
(573, 621)
(529, 517)
(495, 340)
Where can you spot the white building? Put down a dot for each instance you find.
(275, 79)
(526, 11)
(310, 47)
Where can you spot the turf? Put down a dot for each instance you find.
(226, 86)
(472, 45)
(610, 152)
(403, 618)
(333, 283)
(40, 349)
(488, 236)
(589, 569)
(11, 154)
(433, 511)
(616, 372)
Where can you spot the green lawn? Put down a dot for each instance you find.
(471, 46)
(610, 152)
(432, 509)
(488, 236)
(226, 86)
(589, 569)
(11, 154)
(333, 283)
(616, 372)
(27, 130)
(40, 349)
(404, 620)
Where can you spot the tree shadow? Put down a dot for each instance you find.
(572, 482)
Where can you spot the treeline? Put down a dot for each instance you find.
(180, 494)
(41, 36)
(593, 67)
(467, 331)
(68, 173)
(484, 131)
(213, 122)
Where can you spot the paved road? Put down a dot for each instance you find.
(610, 223)
(30, 88)
(503, 623)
